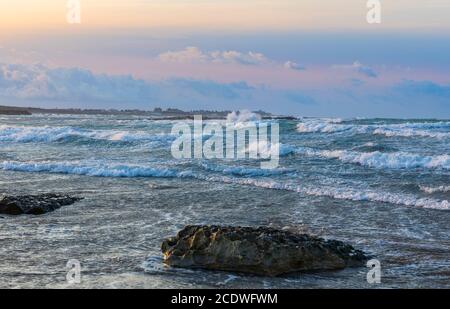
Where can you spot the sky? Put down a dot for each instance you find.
(296, 57)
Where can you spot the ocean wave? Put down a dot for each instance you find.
(410, 132)
(420, 129)
(264, 148)
(342, 193)
(94, 169)
(242, 116)
(97, 169)
(328, 127)
(431, 190)
(23, 134)
(376, 159)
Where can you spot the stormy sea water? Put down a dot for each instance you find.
(382, 185)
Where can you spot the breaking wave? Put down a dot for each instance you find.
(97, 169)
(242, 116)
(328, 127)
(421, 129)
(409, 132)
(22, 134)
(431, 190)
(264, 148)
(92, 169)
(342, 193)
(376, 159)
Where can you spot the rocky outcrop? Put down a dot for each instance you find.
(34, 204)
(260, 251)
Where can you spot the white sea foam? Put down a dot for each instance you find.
(264, 149)
(431, 190)
(23, 134)
(376, 159)
(96, 169)
(420, 129)
(342, 193)
(328, 127)
(374, 196)
(99, 169)
(242, 116)
(410, 132)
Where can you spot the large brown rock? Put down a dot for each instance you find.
(34, 204)
(260, 251)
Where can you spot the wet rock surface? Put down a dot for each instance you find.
(34, 204)
(261, 251)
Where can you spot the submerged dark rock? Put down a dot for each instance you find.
(260, 251)
(34, 204)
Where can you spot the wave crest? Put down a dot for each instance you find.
(344, 193)
(22, 134)
(394, 160)
(128, 170)
(92, 169)
(431, 190)
(420, 129)
(242, 116)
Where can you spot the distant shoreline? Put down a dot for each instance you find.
(156, 114)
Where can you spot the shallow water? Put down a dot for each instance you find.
(381, 185)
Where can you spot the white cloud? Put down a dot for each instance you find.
(290, 65)
(232, 56)
(359, 68)
(38, 81)
(194, 54)
(38, 85)
(189, 54)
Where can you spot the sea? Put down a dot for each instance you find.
(382, 185)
